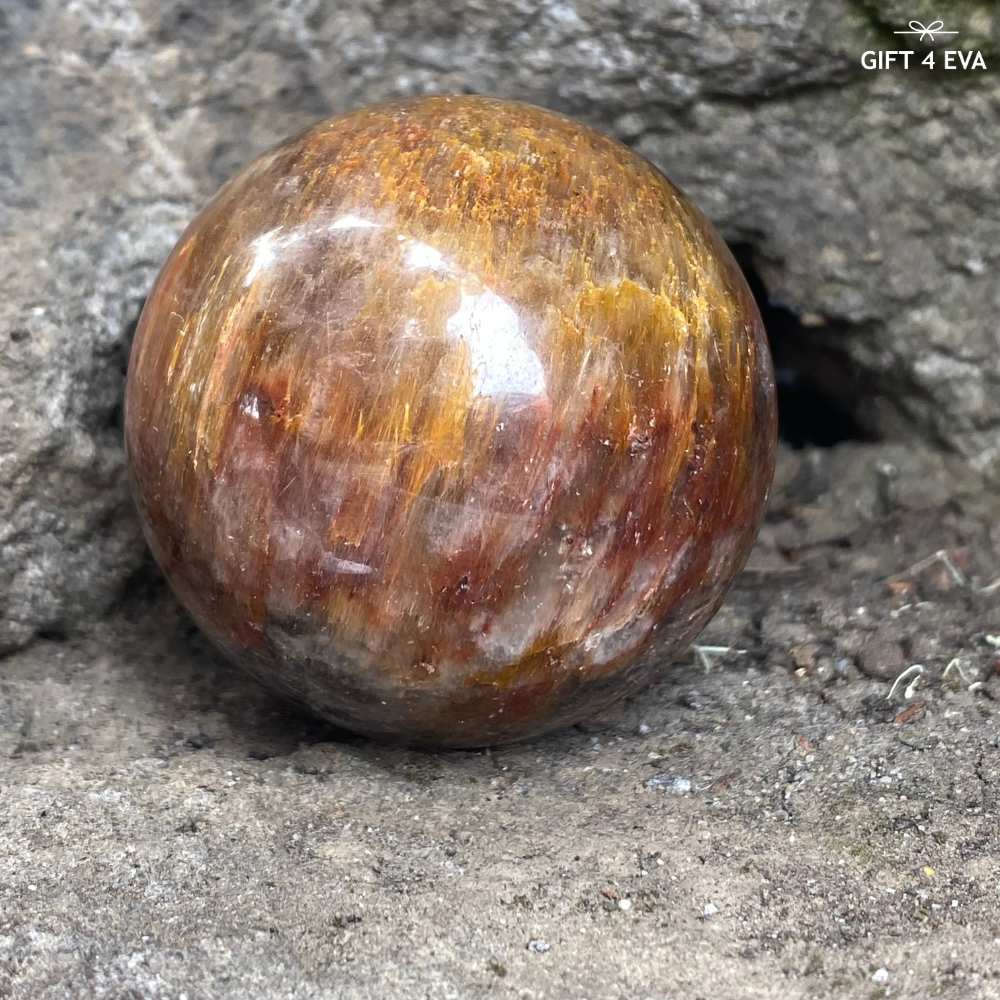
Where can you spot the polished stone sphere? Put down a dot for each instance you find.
(451, 418)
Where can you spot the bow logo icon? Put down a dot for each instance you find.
(927, 32)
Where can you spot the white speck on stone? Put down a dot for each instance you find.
(625, 904)
(880, 976)
(710, 911)
(538, 946)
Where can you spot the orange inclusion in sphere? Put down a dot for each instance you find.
(451, 418)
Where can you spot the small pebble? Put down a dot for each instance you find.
(672, 784)
(880, 976)
(538, 946)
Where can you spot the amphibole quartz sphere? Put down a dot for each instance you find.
(451, 418)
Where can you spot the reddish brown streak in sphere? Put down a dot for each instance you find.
(452, 418)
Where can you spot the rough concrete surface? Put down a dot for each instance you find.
(786, 819)
(777, 822)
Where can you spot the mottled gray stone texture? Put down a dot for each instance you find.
(782, 820)
(866, 200)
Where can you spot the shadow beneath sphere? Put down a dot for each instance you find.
(196, 700)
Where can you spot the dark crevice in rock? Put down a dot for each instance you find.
(129, 331)
(142, 589)
(789, 89)
(820, 392)
(52, 633)
(108, 420)
(113, 418)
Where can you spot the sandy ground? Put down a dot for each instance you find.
(782, 821)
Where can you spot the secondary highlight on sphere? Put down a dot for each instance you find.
(453, 419)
